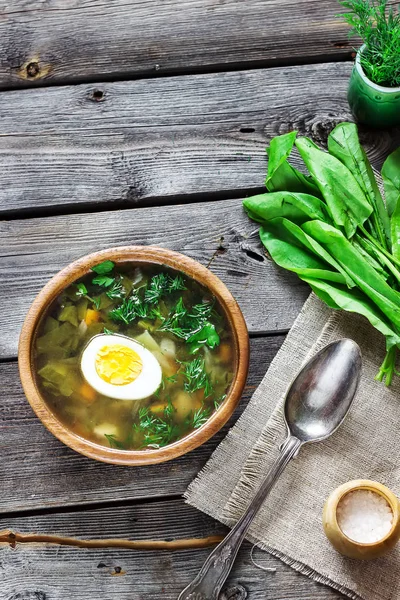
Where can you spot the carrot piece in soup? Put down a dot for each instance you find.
(225, 352)
(92, 316)
(87, 393)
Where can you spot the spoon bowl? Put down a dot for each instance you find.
(320, 396)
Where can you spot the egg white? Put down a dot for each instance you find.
(147, 382)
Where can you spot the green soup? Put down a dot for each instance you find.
(155, 308)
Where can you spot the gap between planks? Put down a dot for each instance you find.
(89, 506)
(210, 69)
(151, 202)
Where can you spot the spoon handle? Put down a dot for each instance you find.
(211, 577)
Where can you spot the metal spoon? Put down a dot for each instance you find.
(315, 406)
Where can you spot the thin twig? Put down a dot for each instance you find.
(13, 538)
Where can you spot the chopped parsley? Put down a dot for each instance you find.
(81, 292)
(104, 267)
(103, 280)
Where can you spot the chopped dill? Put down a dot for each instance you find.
(157, 432)
(200, 417)
(176, 283)
(219, 401)
(97, 302)
(157, 286)
(116, 290)
(196, 377)
(169, 409)
(193, 326)
(114, 443)
(125, 312)
(163, 284)
(171, 378)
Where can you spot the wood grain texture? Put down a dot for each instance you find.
(217, 234)
(157, 141)
(75, 40)
(55, 573)
(41, 472)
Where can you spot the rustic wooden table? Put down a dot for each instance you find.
(130, 122)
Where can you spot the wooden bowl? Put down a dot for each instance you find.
(344, 544)
(140, 254)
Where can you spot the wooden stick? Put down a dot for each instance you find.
(13, 538)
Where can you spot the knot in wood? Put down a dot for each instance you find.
(321, 129)
(97, 96)
(32, 69)
(235, 592)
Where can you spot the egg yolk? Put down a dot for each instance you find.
(118, 364)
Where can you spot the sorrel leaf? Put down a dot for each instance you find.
(281, 175)
(346, 200)
(293, 256)
(343, 143)
(339, 297)
(295, 206)
(367, 279)
(391, 180)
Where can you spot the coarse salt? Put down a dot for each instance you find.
(364, 516)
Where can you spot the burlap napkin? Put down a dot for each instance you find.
(366, 446)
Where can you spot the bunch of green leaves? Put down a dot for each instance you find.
(112, 284)
(334, 230)
(379, 27)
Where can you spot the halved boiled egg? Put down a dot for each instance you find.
(121, 368)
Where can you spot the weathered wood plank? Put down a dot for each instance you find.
(75, 40)
(39, 471)
(153, 141)
(217, 234)
(55, 573)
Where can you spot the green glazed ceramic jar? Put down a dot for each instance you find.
(372, 104)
